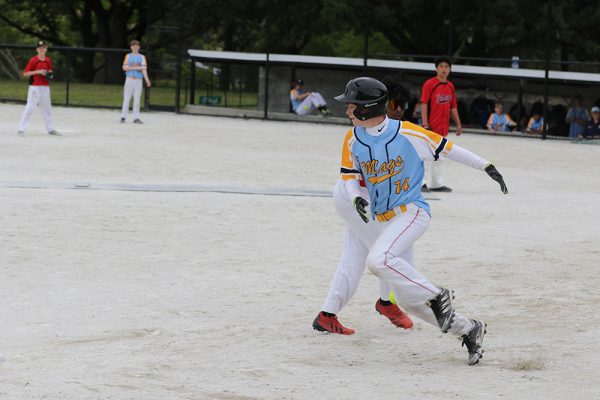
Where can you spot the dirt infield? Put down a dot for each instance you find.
(202, 295)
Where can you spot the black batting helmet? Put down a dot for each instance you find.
(369, 95)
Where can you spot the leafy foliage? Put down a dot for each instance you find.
(498, 29)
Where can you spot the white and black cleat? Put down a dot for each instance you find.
(443, 309)
(473, 340)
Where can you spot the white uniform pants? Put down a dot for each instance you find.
(435, 169)
(358, 238)
(391, 258)
(133, 87)
(311, 103)
(37, 95)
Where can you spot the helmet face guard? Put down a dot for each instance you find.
(368, 94)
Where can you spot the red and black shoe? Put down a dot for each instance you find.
(394, 314)
(330, 323)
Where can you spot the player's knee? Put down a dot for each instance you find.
(375, 261)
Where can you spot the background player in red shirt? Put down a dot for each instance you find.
(438, 103)
(38, 70)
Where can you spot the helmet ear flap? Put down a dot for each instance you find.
(361, 113)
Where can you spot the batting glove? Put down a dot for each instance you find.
(495, 175)
(360, 204)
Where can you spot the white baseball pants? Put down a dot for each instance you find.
(311, 103)
(391, 259)
(37, 95)
(133, 87)
(358, 238)
(433, 169)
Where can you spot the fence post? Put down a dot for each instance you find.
(266, 86)
(547, 67)
(69, 63)
(178, 81)
(366, 45)
(268, 43)
(148, 57)
(192, 80)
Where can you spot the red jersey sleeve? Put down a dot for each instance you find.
(31, 64)
(426, 92)
(50, 66)
(453, 101)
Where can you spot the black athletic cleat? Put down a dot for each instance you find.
(443, 309)
(122, 120)
(137, 121)
(473, 340)
(441, 189)
(425, 189)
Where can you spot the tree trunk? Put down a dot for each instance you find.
(83, 63)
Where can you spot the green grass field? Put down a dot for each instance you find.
(104, 95)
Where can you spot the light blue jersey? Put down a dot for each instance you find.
(391, 167)
(535, 125)
(134, 60)
(576, 113)
(499, 122)
(295, 102)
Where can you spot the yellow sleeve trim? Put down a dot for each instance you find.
(434, 137)
(347, 161)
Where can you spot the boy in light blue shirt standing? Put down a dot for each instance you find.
(136, 69)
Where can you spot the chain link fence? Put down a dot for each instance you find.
(86, 77)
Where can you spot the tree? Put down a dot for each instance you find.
(89, 23)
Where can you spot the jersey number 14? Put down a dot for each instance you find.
(400, 187)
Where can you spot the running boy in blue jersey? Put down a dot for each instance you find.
(388, 155)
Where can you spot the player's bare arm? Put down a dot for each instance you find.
(145, 73)
(36, 72)
(424, 115)
(456, 118)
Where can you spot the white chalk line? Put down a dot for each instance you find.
(170, 188)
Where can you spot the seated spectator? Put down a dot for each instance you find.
(499, 121)
(536, 123)
(592, 128)
(416, 115)
(578, 117)
(306, 102)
